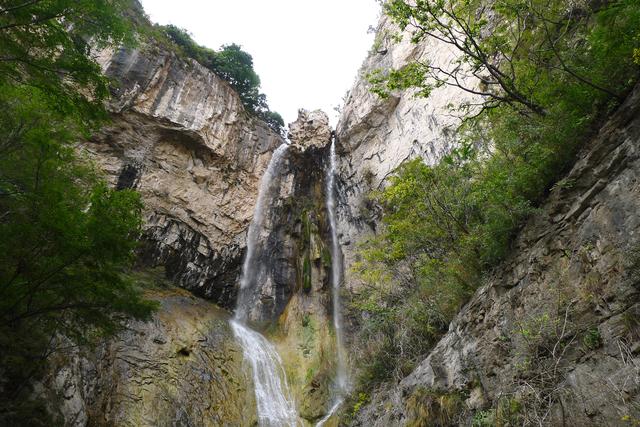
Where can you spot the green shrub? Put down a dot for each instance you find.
(233, 65)
(428, 408)
(592, 339)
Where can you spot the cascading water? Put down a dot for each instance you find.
(276, 407)
(250, 267)
(342, 379)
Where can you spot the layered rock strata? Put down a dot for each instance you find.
(180, 136)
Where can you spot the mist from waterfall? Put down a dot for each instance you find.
(275, 405)
(342, 378)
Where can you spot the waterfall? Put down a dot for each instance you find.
(273, 398)
(342, 379)
(275, 405)
(250, 267)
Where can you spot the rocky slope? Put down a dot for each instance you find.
(552, 338)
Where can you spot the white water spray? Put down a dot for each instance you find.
(276, 407)
(275, 404)
(342, 379)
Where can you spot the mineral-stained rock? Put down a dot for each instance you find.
(181, 368)
(180, 137)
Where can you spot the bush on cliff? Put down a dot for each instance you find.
(236, 67)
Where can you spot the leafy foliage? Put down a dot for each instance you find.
(236, 67)
(67, 239)
(505, 46)
(45, 44)
(444, 226)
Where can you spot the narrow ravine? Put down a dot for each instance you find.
(275, 405)
(341, 385)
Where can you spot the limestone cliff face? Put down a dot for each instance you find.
(376, 135)
(180, 136)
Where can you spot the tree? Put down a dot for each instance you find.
(47, 44)
(503, 47)
(67, 239)
(236, 66)
(67, 242)
(274, 120)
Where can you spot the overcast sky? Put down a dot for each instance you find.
(307, 52)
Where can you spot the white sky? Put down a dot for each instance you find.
(306, 52)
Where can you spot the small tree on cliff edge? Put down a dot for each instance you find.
(503, 47)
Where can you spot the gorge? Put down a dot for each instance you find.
(411, 267)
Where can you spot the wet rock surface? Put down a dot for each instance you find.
(181, 368)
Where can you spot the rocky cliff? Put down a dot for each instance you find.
(376, 135)
(552, 337)
(180, 136)
(182, 368)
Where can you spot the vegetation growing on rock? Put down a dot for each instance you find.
(235, 66)
(546, 76)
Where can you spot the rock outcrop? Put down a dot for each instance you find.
(311, 129)
(182, 368)
(375, 135)
(552, 338)
(181, 137)
(293, 290)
